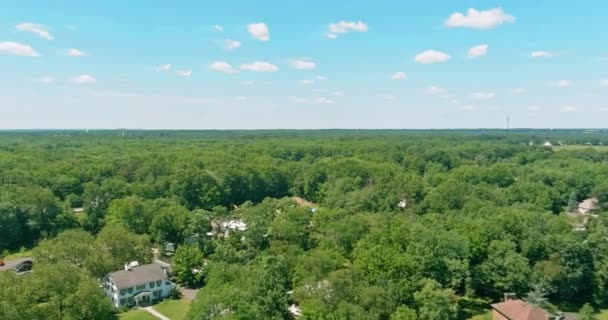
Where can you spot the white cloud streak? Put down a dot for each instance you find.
(399, 76)
(478, 51)
(259, 66)
(18, 49)
(37, 29)
(84, 79)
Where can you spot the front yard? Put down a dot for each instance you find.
(173, 309)
(136, 314)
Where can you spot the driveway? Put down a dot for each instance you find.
(8, 265)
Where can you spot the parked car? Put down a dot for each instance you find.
(23, 266)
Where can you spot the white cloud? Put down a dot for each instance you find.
(483, 95)
(322, 100)
(75, 53)
(399, 76)
(37, 29)
(535, 108)
(604, 83)
(247, 83)
(569, 109)
(219, 28)
(222, 66)
(478, 51)
(259, 31)
(259, 66)
(345, 27)
(318, 100)
(231, 44)
(18, 49)
(338, 93)
(241, 98)
(303, 64)
(518, 91)
(485, 19)
(307, 82)
(165, 67)
(46, 79)
(431, 56)
(321, 78)
(541, 54)
(389, 98)
(434, 90)
(84, 79)
(562, 83)
(184, 73)
(467, 107)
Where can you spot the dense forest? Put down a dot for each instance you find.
(344, 224)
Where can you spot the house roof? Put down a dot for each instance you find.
(137, 276)
(521, 310)
(588, 204)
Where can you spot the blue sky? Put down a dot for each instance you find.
(312, 64)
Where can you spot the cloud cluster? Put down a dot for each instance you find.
(222, 66)
(341, 27)
(478, 51)
(75, 53)
(304, 64)
(84, 79)
(484, 19)
(37, 29)
(184, 73)
(434, 90)
(231, 44)
(399, 76)
(483, 95)
(562, 83)
(259, 31)
(432, 56)
(259, 66)
(541, 54)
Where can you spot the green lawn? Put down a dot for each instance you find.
(603, 315)
(580, 147)
(173, 309)
(483, 316)
(136, 314)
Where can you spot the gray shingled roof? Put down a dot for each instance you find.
(137, 276)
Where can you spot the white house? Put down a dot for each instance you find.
(588, 205)
(137, 285)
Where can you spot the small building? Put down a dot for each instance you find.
(137, 285)
(515, 309)
(588, 206)
(547, 144)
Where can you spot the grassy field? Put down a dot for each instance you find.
(580, 147)
(16, 255)
(136, 314)
(173, 309)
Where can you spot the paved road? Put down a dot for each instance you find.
(155, 313)
(8, 265)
